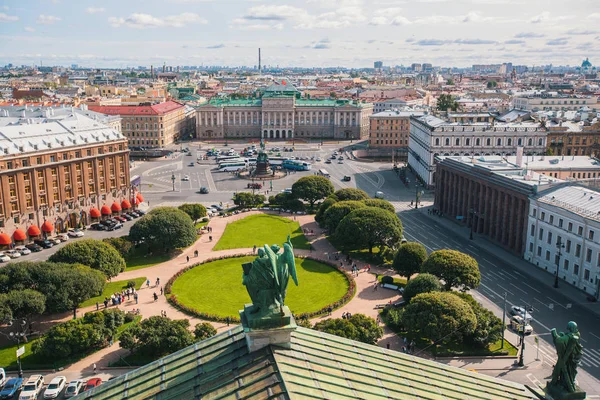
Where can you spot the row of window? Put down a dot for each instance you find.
(381, 141)
(570, 226)
(65, 156)
(488, 142)
(566, 262)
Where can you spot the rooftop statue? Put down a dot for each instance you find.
(569, 351)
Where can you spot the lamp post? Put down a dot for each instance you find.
(416, 195)
(503, 321)
(522, 334)
(559, 246)
(18, 336)
(173, 180)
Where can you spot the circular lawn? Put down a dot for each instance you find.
(216, 287)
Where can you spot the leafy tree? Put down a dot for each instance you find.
(204, 330)
(328, 202)
(358, 327)
(336, 213)
(386, 205)
(492, 84)
(94, 253)
(423, 283)
(5, 311)
(195, 210)
(312, 188)
(351, 194)
(247, 199)
(439, 316)
(489, 327)
(164, 227)
(369, 226)
(447, 101)
(157, 336)
(26, 303)
(304, 322)
(122, 244)
(456, 269)
(450, 81)
(409, 259)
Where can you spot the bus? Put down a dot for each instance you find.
(296, 165)
(231, 167)
(276, 160)
(324, 173)
(220, 159)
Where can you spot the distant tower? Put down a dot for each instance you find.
(164, 67)
(259, 64)
(152, 71)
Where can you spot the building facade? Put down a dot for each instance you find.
(563, 234)
(280, 113)
(546, 102)
(155, 125)
(491, 197)
(390, 130)
(575, 138)
(431, 136)
(58, 172)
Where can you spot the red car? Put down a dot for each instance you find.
(119, 218)
(92, 383)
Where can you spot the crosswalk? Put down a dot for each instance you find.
(589, 359)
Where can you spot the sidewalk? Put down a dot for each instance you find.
(544, 278)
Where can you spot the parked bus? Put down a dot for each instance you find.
(233, 166)
(220, 159)
(276, 160)
(296, 165)
(324, 173)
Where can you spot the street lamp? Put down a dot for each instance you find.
(173, 180)
(559, 246)
(18, 336)
(417, 195)
(522, 334)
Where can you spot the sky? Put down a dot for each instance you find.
(303, 33)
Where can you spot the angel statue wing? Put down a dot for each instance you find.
(288, 253)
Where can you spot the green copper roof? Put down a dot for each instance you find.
(253, 102)
(318, 366)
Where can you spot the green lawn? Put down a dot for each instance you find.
(216, 287)
(397, 281)
(110, 288)
(201, 224)
(261, 229)
(139, 258)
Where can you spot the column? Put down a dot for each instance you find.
(505, 218)
(469, 201)
(499, 211)
(511, 222)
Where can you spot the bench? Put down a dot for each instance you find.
(392, 287)
(381, 306)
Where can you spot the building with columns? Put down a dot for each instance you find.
(279, 112)
(489, 195)
(431, 136)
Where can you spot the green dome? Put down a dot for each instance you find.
(586, 63)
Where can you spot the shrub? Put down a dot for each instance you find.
(121, 244)
(166, 228)
(204, 330)
(387, 280)
(409, 259)
(336, 212)
(95, 254)
(423, 283)
(456, 269)
(351, 194)
(131, 284)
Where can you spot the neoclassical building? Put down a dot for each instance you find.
(280, 113)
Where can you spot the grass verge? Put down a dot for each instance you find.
(110, 288)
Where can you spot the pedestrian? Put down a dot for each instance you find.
(97, 306)
(135, 297)
(105, 302)
(157, 281)
(187, 258)
(412, 346)
(148, 283)
(254, 249)
(161, 290)
(227, 321)
(196, 253)
(388, 345)
(94, 366)
(375, 287)
(405, 340)
(210, 238)
(155, 297)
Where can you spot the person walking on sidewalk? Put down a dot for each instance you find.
(187, 258)
(148, 283)
(94, 366)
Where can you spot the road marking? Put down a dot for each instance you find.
(597, 337)
(518, 288)
(531, 287)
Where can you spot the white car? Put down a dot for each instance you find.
(13, 253)
(2, 377)
(319, 159)
(31, 389)
(185, 178)
(74, 388)
(75, 233)
(55, 240)
(23, 250)
(4, 257)
(55, 387)
(63, 237)
(521, 312)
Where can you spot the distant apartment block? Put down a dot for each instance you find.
(545, 102)
(391, 130)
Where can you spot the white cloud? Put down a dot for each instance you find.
(594, 15)
(581, 32)
(529, 35)
(273, 13)
(395, 16)
(8, 18)
(47, 19)
(143, 21)
(540, 18)
(94, 10)
(29, 29)
(299, 18)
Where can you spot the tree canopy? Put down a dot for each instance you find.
(409, 259)
(446, 101)
(381, 203)
(94, 253)
(247, 199)
(164, 227)
(369, 226)
(456, 269)
(358, 327)
(25, 303)
(122, 244)
(204, 330)
(351, 194)
(423, 283)
(328, 202)
(489, 327)
(439, 316)
(157, 336)
(312, 188)
(336, 213)
(194, 210)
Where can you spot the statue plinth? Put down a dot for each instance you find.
(271, 329)
(558, 393)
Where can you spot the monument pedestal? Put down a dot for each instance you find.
(558, 393)
(272, 329)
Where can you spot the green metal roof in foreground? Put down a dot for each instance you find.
(318, 366)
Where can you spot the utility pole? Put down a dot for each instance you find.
(173, 180)
(503, 320)
(416, 195)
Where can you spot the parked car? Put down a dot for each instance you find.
(98, 227)
(33, 247)
(517, 324)
(14, 253)
(4, 257)
(216, 207)
(75, 233)
(11, 388)
(108, 222)
(32, 388)
(127, 216)
(23, 250)
(115, 226)
(347, 178)
(92, 383)
(44, 243)
(522, 312)
(120, 218)
(327, 161)
(74, 388)
(379, 195)
(133, 214)
(340, 162)
(2, 377)
(191, 164)
(55, 240)
(203, 190)
(55, 387)
(63, 237)
(185, 178)
(140, 212)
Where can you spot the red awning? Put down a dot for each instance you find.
(33, 231)
(105, 210)
(125, 204)
(134, 201)
(19, 235)
(47, 226)
(139, 197)
(5, 239)
(115, 207)
(94, 213)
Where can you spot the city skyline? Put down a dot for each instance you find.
(351, 33)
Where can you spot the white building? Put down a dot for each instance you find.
(566, 218)
(552, 102)
(431, 136)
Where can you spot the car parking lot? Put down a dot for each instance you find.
(35, 387)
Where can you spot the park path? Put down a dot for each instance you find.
(364, 301)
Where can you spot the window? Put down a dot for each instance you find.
(566, 265)
(499, 142)
(467, 142)
(586, 275)
(547, 255)
(577, 250)
(488, 142)
(549, 237)
(447, 141)
(477, 142)
(534, 212)
(580, 230)
(543, 217)
(457, 142)
(532, 230)
(591, 235)
(530, 246)
(568, 247)
(539, 253)
(588, 256)
(552, 219)
(570, 228)
(576, 269)
(560, 222)
(558, 240)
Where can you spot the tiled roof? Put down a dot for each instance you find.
(156, 109)
(318, 366)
